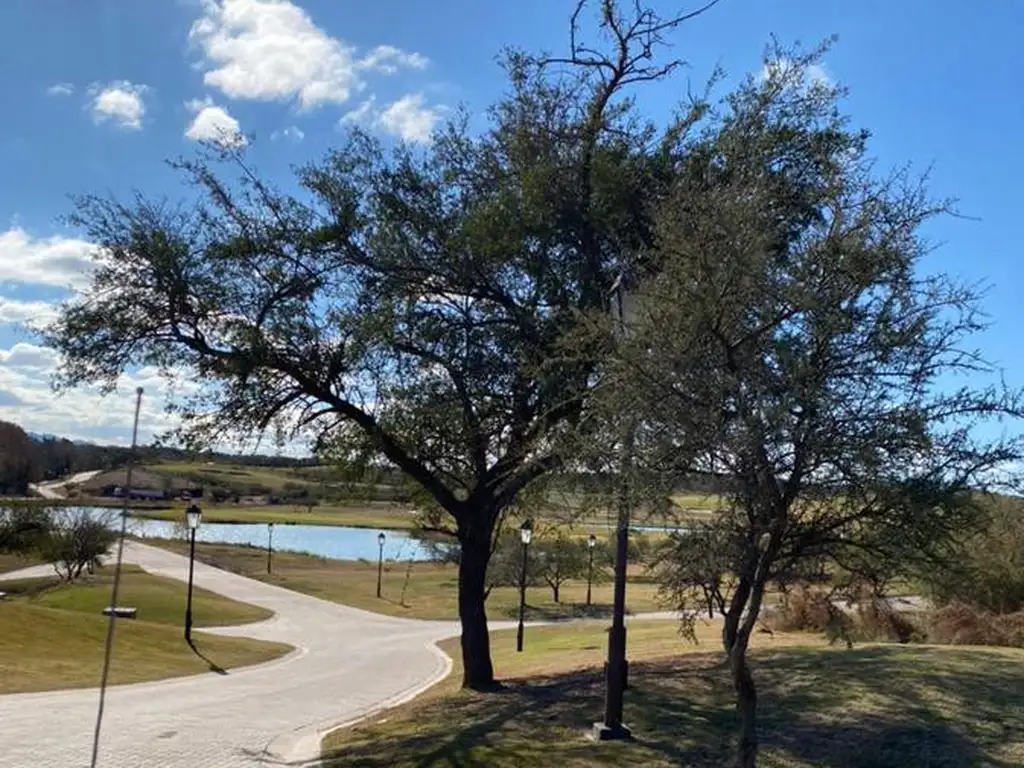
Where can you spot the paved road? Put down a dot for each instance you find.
(56, 489)
(348, 663)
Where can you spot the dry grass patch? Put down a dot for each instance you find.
(872, 707)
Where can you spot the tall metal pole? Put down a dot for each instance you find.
(522, 601)
(270, 545)
(590, 572)
(191, 569)
(109, 645)
(616, 668)
(380, 563)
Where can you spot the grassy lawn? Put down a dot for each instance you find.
(159, 600)
(431, 592)
(872, 707)
(383, 515)
(10, 563)
(53, 635)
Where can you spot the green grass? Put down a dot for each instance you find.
(159, 600)
(53, 636)
(872, 707)
(9, 562)
(381, 516)
(431, 592)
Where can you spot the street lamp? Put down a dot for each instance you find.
(591, 543)
(270, 545)
(380, 558)
(525, 534)
(616, 669)
(193, 516)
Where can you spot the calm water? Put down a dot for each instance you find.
(336, 542)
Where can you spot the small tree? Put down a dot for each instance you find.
(558, 559)
(23, 530)
(76, 542)
(793, 342)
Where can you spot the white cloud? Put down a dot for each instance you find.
(271, 50)
(409, 119)
(25, 374)
(213, 123)
(120, 102)
(812, 74)
(60, 89)
(57, 261)
(292, 133)
(388, 60)
(30, 313)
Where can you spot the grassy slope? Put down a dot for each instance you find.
(384, 516)
(431, 592)
(53, 637)
(9, 562)
(873, 707)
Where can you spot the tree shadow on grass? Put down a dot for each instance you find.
(868, 708)
(214, 667)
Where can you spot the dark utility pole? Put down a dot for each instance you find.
(616, 669)
(525, 534)
(270, 545)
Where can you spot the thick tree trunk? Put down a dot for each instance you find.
(554, 589)
(478, 672)
(746, 707)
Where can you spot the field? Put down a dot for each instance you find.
(430, 593)
(54, 633)
(873, 707)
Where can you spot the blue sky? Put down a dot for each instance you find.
(100, 93)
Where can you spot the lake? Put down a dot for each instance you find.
(333, 541)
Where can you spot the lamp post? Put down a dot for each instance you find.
(525, 534)
(270, 545)
(616, 669)
(380, 559)
(193, 516)
(591, 543)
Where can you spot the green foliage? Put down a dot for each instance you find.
(23, 530)
(76, 542)
(987, 569)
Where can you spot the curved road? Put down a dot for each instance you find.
(347, 664)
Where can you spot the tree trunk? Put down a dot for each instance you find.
(746, 706)
(478, 672)
(554, 589)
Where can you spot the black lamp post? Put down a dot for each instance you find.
(380, 559)
(525, 534)
(193, 516)
(270, 545)
(591, 543)
(616, 668)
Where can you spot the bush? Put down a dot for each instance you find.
(962, 624)
(806, 610)
(76, 542)
(23, 530)
(876, 620)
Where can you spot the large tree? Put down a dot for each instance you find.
(796, 343)
(407, 303)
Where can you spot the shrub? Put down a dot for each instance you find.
(76, 542)
(961, 624)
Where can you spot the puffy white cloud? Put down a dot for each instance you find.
(83, 414)
(33, 314)
(813, 74)
(213, 123)
(292, 133)
(388, 60)
(60, 89)
(271, 50)
(409, 119)
(120, 102)
(58, 261)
